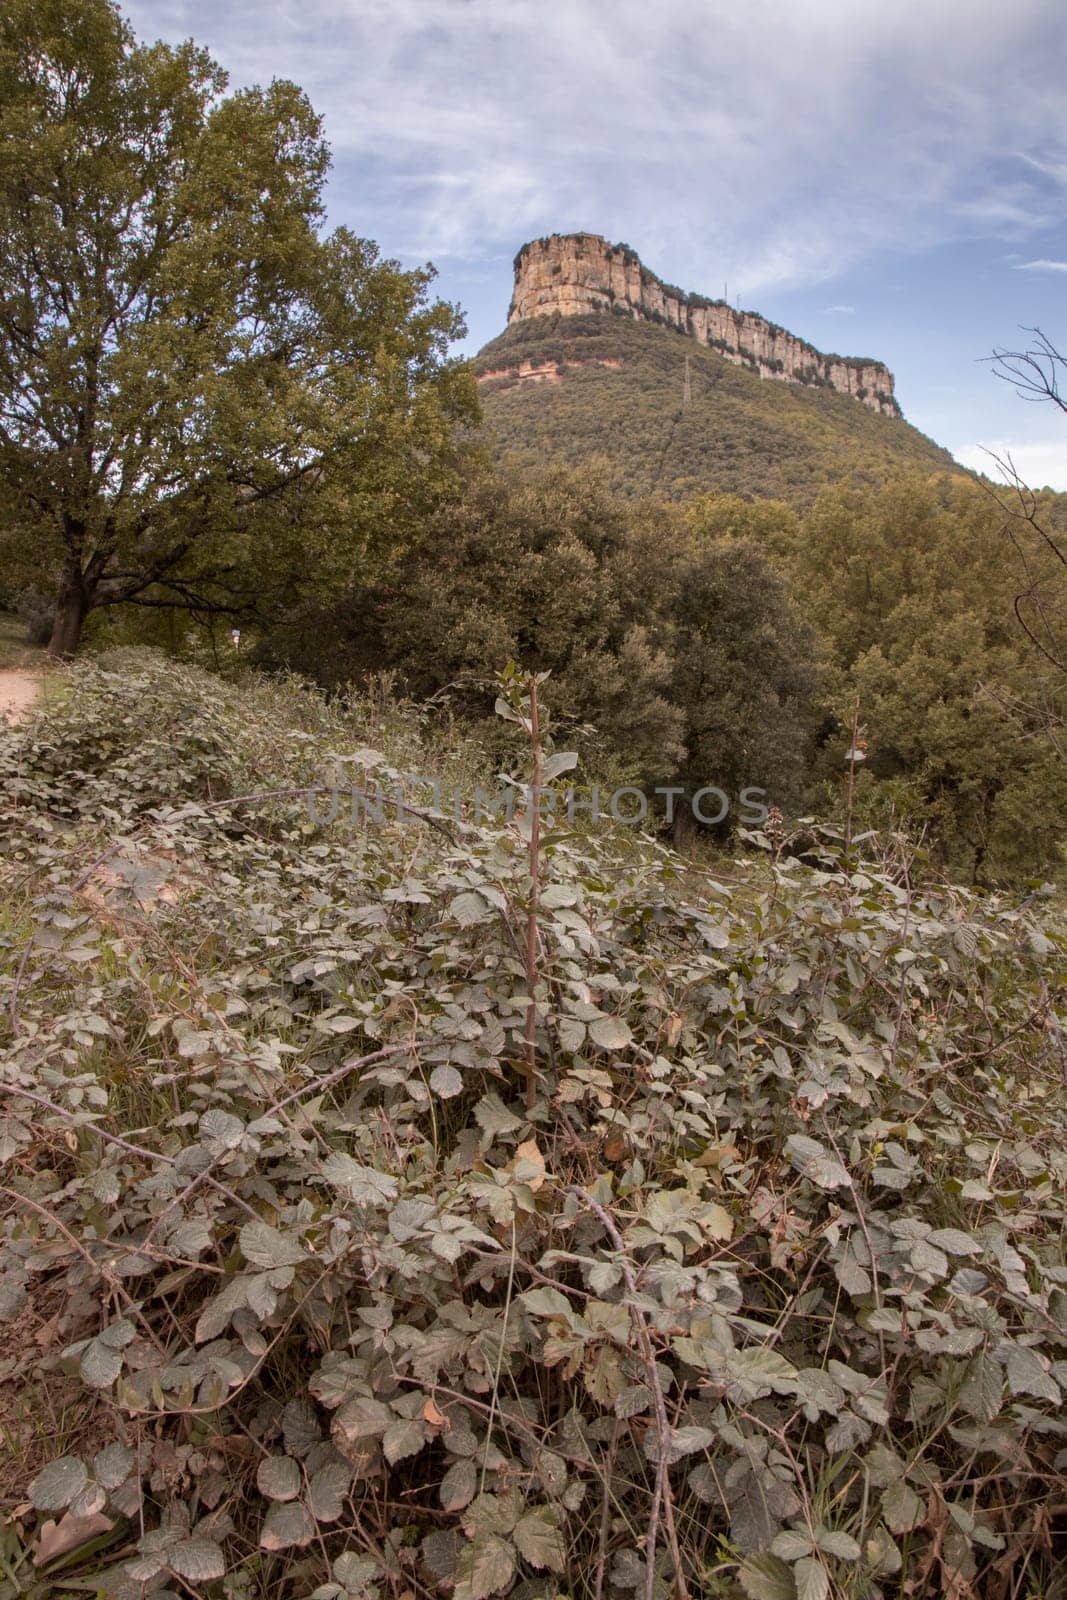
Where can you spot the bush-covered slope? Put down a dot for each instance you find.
(739, 433)
(766, 1286)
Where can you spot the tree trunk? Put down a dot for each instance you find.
(72, 607)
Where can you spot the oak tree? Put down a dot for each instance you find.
(206, 399)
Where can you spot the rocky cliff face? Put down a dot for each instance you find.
(577, 273)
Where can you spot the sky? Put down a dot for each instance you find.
(885, 178)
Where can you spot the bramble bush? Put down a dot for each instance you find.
(727, 1261)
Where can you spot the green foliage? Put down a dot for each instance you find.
(740, 434)
(204, 399)
(778, 1247)
(913, 587)
(742, 667)
(681, 650)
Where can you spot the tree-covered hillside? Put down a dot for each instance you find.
(739, 433)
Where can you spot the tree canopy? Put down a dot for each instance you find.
(682, 651)
(205, 398)
(620, 400)
(912, 590)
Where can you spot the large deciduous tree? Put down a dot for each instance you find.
(205, 399)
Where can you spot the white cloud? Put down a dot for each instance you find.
(1039, 464)
(1041, 266)
(839, 311)
(771, 144)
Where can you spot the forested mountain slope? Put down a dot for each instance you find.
(604, 386)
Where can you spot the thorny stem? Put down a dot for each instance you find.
(535, 890)
(605, 1514)
(663, 1428)
(499, 1362)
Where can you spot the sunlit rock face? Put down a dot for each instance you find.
(573, 274)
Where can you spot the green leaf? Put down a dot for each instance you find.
(756, 1372)
(362, 1417)
(765, 1577)
(194, 1044)
(300, 1427)
(216, 1314)
(559, 761)
(968, 1281)
(926, 1258)
(196, 1560)
(446, 1081)
(539, 1540)
(265, 1246)
(571, 1033)
(327, 1490)
(354, 1571)
(687, 1441)
(492, 1513)
(791, 1546)
(402, 1439)
(99, 1365)
(882, 1554)
(278, 1477)
(221, 1131)
(485, 1567)
(972, 1528)
(812, 1579)
(902, 1509)
(469, 908)
(113, 1465)
(884, 1466)
(547, 1302)
(983, 1388)
(633, 1401)
(286, 1527)
(954, 1242)
(337, 1023)
(56, 1485)
(364, 1185)
(493, 1116)
(815, 1162)
(610, 1033)
(832, 1542)
(557, 895)
(1028, 1374)
(458, 1486)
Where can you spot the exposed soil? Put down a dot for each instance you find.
(18, 691)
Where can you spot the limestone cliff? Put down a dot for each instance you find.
(575, 273)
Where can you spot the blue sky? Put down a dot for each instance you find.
(883, 177)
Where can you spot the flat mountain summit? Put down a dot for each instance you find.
(676, 394)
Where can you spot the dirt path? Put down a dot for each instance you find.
(18, 691)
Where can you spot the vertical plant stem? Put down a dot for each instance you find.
(652, 1535)
(662, 1493)
(499, 1362)
(852, 773)
(605, 1513)
(535, 890)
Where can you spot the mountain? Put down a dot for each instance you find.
(677, 394)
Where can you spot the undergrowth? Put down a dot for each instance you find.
(337, 1263)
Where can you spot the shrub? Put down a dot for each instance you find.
(765, 1287)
